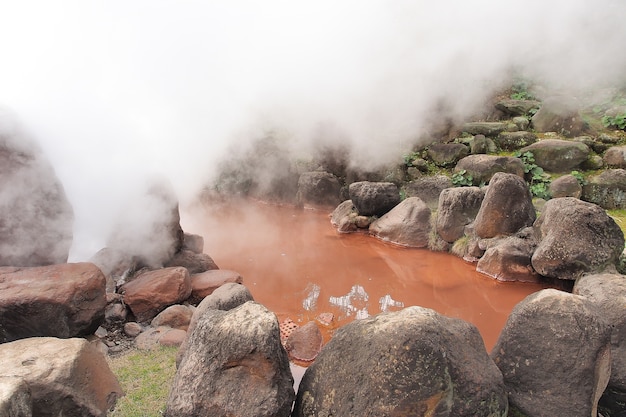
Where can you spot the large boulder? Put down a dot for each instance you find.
(565, 186)
(428, 189)
(554, 353)
(513, 107)
(245, 370)
(152, 291)
(63, 300)
(557, 155)
(407, 224)
(607, 189)
(560, 114)
(483, 167)
(486, 128)
(457, 208)
(319, 188)
(413, 362)
(608, 292)
(512, 141)
(37, 218)
(447, 154)
(615, 157)
(195, 263)
(66, 377)
(509, 258)
(374, 198)
(506, 208)
(575, 237)
(226, 297)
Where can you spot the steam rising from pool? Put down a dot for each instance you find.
(119, 92)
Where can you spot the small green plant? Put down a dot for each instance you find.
(618, 121)
(462, 178)
(579, 177)
(409, 158)
(520, 91)
(538, 181)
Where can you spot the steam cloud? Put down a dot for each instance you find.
(117, 92)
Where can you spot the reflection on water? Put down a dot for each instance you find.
(296, 264)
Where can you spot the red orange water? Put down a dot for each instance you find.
(297, 265)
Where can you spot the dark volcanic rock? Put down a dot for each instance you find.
(607, 189)
(36, 218)
(457, 208)
(374, 198)
(509, 259)
(428, 189)
(555, 155)
(245, 370)
(565, 186)
(512, 141)
(554, 355)
(483, 167)
(517, 107)
(506, 208)
(560, 114)
(195, 263)
(319, 188)
(413, 362)
(447, 154)
(64, 300)
(575, 237)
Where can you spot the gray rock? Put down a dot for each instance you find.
(428, 189)
(615, 157)
(446, 154)
(37, 218)
(521, 122)
(483, 167)
(608, 292)
(481, 144)
(343, 210)
(511, 141)
(318, 188)
(506, 208)
(575, 237)
(407, 224)
(559, 114)
(509, 259)
(63, 300)
(554, 355)
(517, 107)
(245, 370)
(607, 189)
(194, 243)
(374, 198)
(457, 208)
(66, 377)
(556, 155)
(485, 128)
(565, 186)
(413, 362)
(226, 297)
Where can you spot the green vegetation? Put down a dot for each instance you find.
(538, 181)
(618, 121)
(520, 91)
(462, 179)
(579, 177)
(145, 377)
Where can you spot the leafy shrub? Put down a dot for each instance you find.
(538, 181)
(462, 179)
(579, 177)
(618, 121)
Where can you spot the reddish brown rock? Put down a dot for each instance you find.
(176, 317)
(160, 336)
(205, 283)
(153, 291)
(305, 342)
(63, 300)
(66, 377)
(173, 337)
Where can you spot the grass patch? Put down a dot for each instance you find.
(620, 218)
(145, 377)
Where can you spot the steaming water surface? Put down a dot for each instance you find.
(297, 265)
